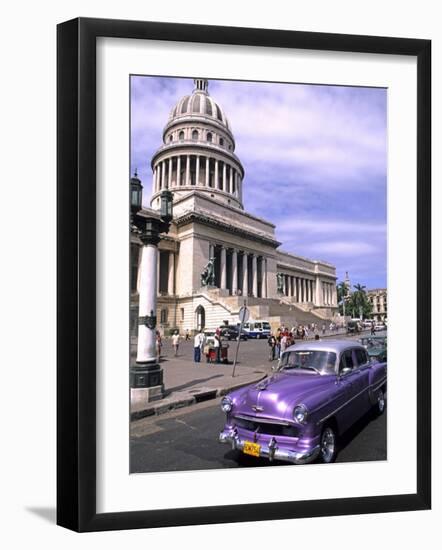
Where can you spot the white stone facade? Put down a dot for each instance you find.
(198, 164)
(378, 300)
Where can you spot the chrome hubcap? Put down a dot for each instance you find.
(327, 444)
(381, 402)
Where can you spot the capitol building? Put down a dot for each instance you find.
(212, 232)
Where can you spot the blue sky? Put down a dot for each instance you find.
(315, 160)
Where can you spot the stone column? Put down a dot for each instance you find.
(234, 272)
(264, 278)
(197, 174)
(304, 291)
(146, 346)
(188, 170)
(224, 176)
(223, 268)
(318, 292)
(163, 174)
(171, 279)
(169, 175)
(178, 171)
(216, 186)
(255, 275)
(231, 181)
(207, 171)
(245, 273)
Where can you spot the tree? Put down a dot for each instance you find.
(359, 303)
(342, 291)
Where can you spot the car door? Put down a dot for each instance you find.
(346, 390)
(361, 381)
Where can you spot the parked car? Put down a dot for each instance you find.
(298, 414)
(376, 347)
(231, 332)
(353, 327)
(379, 327)
(257, 329)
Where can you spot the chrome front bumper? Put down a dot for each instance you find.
(271, 451)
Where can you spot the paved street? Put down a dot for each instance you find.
(188, 440)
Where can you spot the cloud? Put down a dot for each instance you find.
(315, 159)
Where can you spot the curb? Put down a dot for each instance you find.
(162, 406)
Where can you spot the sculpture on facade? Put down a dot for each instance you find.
(280, 283)
(208, 274)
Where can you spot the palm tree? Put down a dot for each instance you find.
(342, 290)
(360, 300)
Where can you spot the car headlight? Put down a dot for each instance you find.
(300, 414)
(226, 404)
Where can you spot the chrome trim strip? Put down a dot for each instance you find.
(343, 405)
(263, 420)
(368, 388)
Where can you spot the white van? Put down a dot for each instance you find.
(257, 329)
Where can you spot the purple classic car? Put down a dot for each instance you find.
(297, 414)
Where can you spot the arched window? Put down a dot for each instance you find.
(209, 107)
(218, 113)
(171, 137)
(184, 106)
(196, 104)
(209, 137)
(195, 134)
(181, 135)
(221, 141)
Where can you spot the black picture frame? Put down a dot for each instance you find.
(76, 273)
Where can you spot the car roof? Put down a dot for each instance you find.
(336, 346)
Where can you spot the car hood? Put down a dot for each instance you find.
(276, 396)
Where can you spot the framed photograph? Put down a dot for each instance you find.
(243, 274)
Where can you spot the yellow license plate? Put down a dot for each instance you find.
(251, 448)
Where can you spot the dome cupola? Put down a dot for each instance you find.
(198, 151)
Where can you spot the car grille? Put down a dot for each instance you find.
(265, 428)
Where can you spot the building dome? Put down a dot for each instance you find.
(197, 153)
(199, 103)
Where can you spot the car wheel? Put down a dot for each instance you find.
(328, 450)
(380, 402)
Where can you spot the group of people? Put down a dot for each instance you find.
(283, 338)
(212, 350)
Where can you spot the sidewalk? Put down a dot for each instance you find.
(187, 383)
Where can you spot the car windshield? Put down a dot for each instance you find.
(322, 362)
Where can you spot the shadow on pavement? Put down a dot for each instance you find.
(192, 383)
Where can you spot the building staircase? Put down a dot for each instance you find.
(277, 311)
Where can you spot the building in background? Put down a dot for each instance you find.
(378, 300)
(211, 230)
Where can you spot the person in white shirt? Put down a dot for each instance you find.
(175, 343)
(198, 343)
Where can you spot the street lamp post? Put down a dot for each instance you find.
(146, 375)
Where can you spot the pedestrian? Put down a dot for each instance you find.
(217, 346)
(323, 328)
(372, 331)
(158, 344)
(306, 331)
(278, 344)
(187, 335)
(272, 344)
(198, 343)
(283, 345)
(175, 342)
